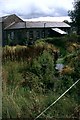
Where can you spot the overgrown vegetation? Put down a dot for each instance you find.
(74, 15)
(31, 82)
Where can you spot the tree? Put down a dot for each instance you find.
(75, 15)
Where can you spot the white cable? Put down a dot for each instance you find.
(57, 99)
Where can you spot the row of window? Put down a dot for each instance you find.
(37, 35)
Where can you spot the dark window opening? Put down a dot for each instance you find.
(31, 35)
(48, 33)
(10, 38)
(37, 34)
(43, 34)
(11, 35)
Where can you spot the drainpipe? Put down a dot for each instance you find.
(44, 30)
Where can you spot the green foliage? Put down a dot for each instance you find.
(57, 41)
(73, 37)
(22, 53)
(74, 14)
(31, 84)
(43, 68)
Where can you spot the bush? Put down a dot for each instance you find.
(31, 83)
(57, 41)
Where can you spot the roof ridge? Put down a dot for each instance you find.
(8, 15)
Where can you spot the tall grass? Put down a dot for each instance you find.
(30, 84)
(24, 52)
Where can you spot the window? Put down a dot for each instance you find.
(37, 34)
(48, 33)
(11, 35)
(31, 35)
(43, 34)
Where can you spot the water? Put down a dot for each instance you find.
(59, 66)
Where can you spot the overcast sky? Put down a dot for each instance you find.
(35, 8)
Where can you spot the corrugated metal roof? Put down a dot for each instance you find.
(34, 24)
(17, 25)
(5, 17)
(10, 20)
(10, 25)
(46, 24)
(39, 24)
(59, 31)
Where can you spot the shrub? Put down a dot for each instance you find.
(31, 83)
